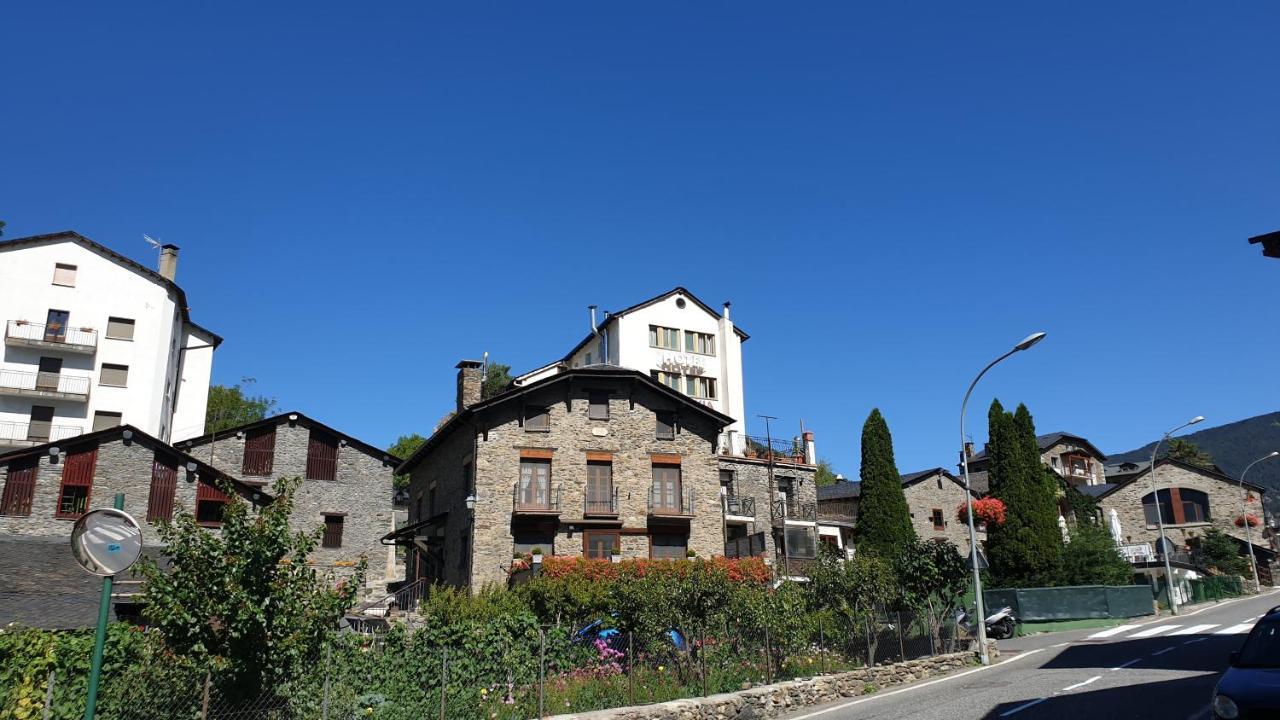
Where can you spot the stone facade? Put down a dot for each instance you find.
(361, 492)
(1059, 456)
(481, 452)
(938, 490)
(1224, 496)
(751, 479)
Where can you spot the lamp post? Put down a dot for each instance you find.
(980, 610)
(1155, 496)
(1248, 532)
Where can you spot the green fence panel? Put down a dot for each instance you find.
(996, 599)
(1129, 601)
(1073, 603)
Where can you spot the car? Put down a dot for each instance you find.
(1250, 686)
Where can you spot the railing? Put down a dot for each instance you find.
(740, 506)
(595, 505)
(535, 498)
(44, 383)
(405, 600)
(782, 510)
(749, 546)
(663, 503)
(38, 333)
(777, 449)
(36, 432)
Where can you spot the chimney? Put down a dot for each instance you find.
(726, 309)
(810, 452)
(168, 261)
(469, 383)
(968, 449)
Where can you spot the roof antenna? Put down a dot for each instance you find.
(155, 244)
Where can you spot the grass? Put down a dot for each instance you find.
(1035, 628)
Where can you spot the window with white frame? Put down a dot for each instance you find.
(671, 380)
(664, 337)
(700, 343)
(700, 387)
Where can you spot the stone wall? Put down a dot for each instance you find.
(941, 492)
(1097, 470)
(751, 479)
(784, 698)
(1224, 506)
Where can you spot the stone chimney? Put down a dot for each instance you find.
(470, 382)
(810, 451)
(168, 261)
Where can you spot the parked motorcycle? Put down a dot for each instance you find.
(1000, 624)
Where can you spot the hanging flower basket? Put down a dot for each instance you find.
(987, 510)
(1249, 518)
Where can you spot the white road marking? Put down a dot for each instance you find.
(1193, 642)
(1121, 667)
(1061, 644)
(1161, 652)
(1022, 707)
(1194, 629)
(1150, 632)
(1201, 714)
(1112, 631)
(1081, 684)
(1236, 629)
(877, 696)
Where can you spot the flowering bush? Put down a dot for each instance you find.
(1249, 518)
(988, 510)
(739, 570)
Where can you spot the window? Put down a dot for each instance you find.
(332, 531)
(700, 343)
(77, 481)
(1195, 505)
(666, 425)
(103, 420)
(537, 419)
(668, 546)
(49, 374)
(701, 387)
(587, 361)
(726, 482)
(114, 375)
(666, 495)
(41, 423)
(119, 328)
(600, 544)
(1178, 506)
(664, 337)
(534, 491)
(19, 486)
(527, 538)
(64, 274)
(322, 456)
(210, 502)
(939, 523)
(599, 405)
(164, 484)
(671, 380)
(259, 451)
(600, 489)
(801, 542)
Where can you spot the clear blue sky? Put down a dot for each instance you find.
(889, 195)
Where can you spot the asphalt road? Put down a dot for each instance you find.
(1151, 668)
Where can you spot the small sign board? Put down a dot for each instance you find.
(106, 541)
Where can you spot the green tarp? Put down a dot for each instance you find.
(1082, 602)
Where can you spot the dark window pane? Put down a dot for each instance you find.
(599, 409)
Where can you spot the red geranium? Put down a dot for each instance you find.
(1249, 518)
(987, 510)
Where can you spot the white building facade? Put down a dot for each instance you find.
(679, 341)
(94, 339)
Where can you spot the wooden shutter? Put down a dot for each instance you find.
(77, 471)
(322, 456)
(164, 485)
(259, 451)
(205, 490)
(19, 487)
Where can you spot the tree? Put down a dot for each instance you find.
(1026, 550)
(884, 520)
(497, 378)
(851, 589)
(824, 475)
(403, 447)
(230, 406)
(245, 600)
(1218, 551)
(932, 577)
(2, 227)
(1188, 452)
(1091, 558)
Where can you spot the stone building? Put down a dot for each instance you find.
(933, 496)
(588, 461)
(1071, 456)
(770, 508)
(347, 486)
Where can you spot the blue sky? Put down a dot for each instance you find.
(890, 195)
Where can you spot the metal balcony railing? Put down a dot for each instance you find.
(594, 504)
(536, 498)
(740, 506)
(782, 510)
(44, 384)
(72, 339)
(16, 434)
(776, 449)
(749, 546)
(662, 501)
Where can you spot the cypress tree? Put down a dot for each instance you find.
(884, 521)
(1027, 549)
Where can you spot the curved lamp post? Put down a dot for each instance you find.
(1155, 496)
(1248, 532)
(981, 619)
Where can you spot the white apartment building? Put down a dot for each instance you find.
(680, 342)
(92, 340)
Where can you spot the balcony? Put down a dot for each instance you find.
(797, 512)
(739, 506)
(535, 499)
(45, 385)
(665, 503)
(81, 341)
(20, 434)
(749, 546)
(775, 450)
(600, 506)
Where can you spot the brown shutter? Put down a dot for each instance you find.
(259, 451)
(77, 471)
(322, 456)
(207, 491)
(164, 484)
(19, 487)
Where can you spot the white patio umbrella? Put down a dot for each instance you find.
(1114, 522)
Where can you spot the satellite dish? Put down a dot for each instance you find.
(106, 541)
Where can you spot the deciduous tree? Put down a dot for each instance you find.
(1091, 558)
(231, 406)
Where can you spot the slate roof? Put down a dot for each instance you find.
(842, 490)
(1095, 491)
(301, 419)
(1125, 473)
(1048, 440)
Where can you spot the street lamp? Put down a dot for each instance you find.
(1248, 533)
(981, 619)
(1155, 496)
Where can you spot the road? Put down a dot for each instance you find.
(1151, 668)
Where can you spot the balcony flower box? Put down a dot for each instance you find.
(988, 511)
